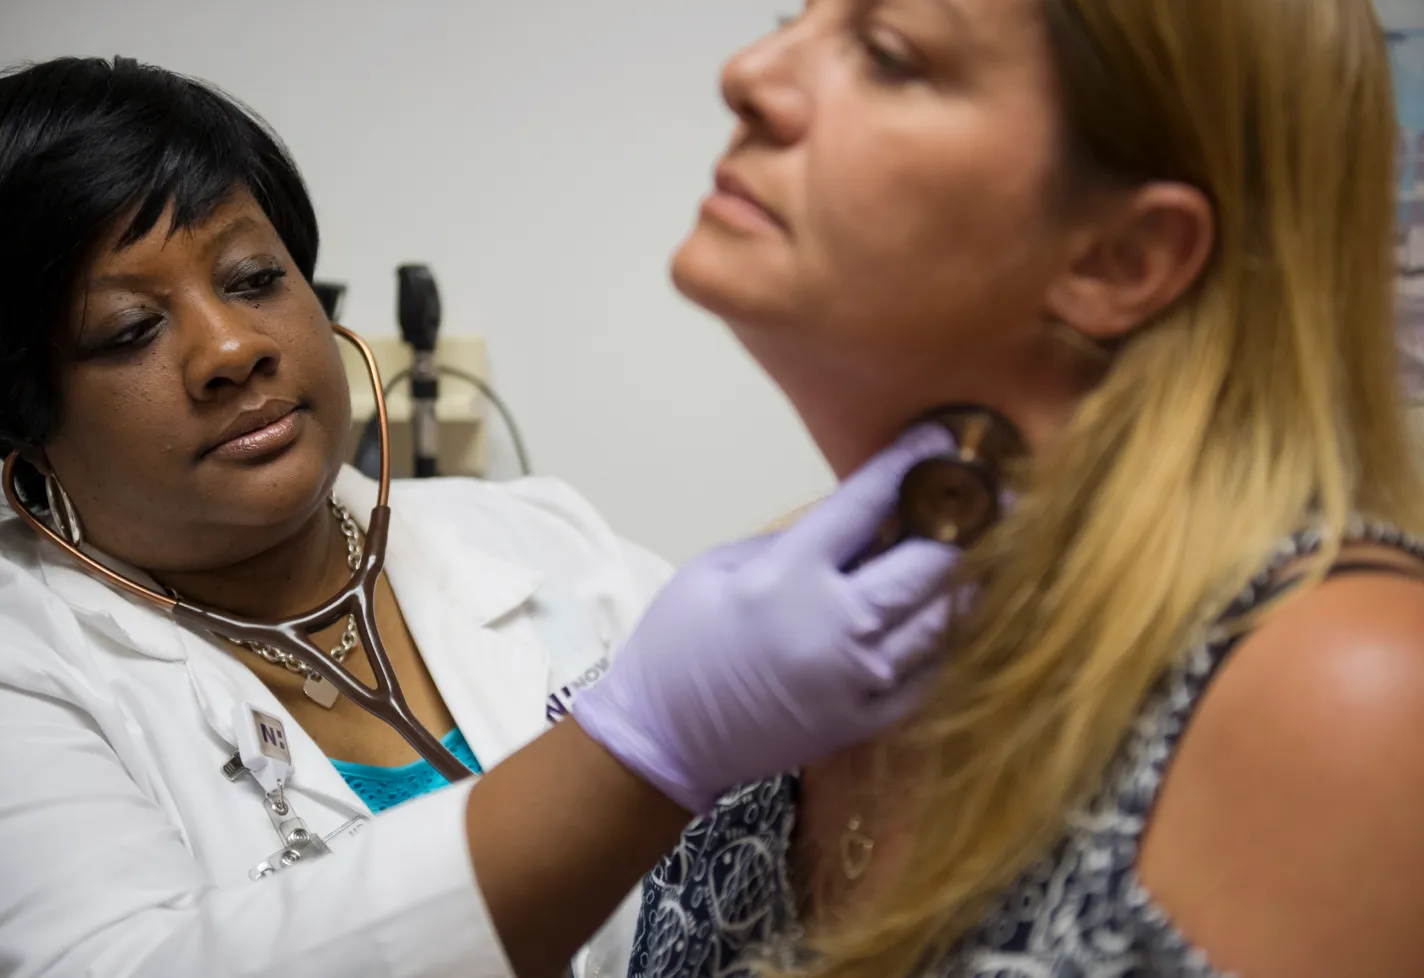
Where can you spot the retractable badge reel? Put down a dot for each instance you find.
(264, 755)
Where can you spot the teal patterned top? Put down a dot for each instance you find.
(385, 787)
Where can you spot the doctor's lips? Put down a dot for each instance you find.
(733, 202)
(259, 432)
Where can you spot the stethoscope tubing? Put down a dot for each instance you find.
(357, 599)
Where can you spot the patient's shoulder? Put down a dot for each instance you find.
(1286, 839)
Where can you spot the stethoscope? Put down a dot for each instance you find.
(953, 498)
(294, 635)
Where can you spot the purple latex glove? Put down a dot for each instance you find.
(765, 655)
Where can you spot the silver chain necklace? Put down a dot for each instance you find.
(316, 687)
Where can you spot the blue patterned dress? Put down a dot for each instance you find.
(723, 899)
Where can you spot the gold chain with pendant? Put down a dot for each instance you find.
(316, 686)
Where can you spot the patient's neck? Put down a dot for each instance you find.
(853, 410)
(292, 577)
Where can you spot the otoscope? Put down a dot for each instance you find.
(418, 309)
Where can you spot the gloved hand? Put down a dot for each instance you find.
(767, 654)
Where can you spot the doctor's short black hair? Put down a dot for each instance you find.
(84, 144)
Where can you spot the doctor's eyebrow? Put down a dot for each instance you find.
(137, 282)
(232, 229)
(127, 282)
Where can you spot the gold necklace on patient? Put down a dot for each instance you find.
(316, 687)
(856, 845)
(857, 848)
(834, 857)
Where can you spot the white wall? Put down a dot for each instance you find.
(1401, 15)
(544, 156)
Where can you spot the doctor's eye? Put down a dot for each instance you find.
(256, 279)
(130, 336)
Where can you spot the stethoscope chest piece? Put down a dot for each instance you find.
(956, 498)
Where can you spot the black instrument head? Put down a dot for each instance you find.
(418, 306)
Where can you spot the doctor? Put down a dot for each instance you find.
(176, 396)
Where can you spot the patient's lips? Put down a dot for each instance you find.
(734, 203)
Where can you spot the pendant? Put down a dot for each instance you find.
(856, 850)
(321, 692)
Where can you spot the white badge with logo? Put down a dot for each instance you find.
(262, 746)
(264, 754)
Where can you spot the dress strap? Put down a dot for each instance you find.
(1267, 584)
(1375, 567)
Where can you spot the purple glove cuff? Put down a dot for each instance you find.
(768, 654)
(606, 722)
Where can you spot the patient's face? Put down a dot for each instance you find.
(204, 402)
(902, 152)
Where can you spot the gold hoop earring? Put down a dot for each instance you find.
(61, 511)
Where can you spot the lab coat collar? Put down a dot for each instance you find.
(488, 588)
(452, 593)
(127, 620)
(491, 588)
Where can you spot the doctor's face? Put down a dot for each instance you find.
(204, 402)
(884, 206)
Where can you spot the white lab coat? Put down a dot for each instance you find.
(124, 851)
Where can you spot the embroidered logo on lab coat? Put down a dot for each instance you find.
(559, 702)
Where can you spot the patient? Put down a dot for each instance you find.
(1180, 734)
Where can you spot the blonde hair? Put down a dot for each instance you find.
(1267, 398)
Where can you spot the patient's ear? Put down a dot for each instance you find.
(1132, 258)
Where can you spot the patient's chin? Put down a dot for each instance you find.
(731, 282)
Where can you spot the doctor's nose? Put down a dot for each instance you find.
(225, 351)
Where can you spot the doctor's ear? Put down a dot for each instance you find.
(1133, 257)
(31, 477)
(36, 459)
